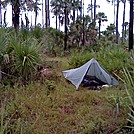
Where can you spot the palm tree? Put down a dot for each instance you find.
(110, 32)
(125, 29)
(16, 13)
(117, 14)
(63, 9)
(101, 18)
(56, 10)
(90, 8)
(76, 5)
(36, 9)
(17, 6)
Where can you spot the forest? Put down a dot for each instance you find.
(36, 98)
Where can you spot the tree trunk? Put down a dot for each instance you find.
(35, 18)
(131, 26)
(114, 11)
(27, 21)
(0, 14)
(73, 16)
(77, 13)
(73, 12)
(59, 22)
(42, 14)
(47, 13)
(81, 9)
(35, 13)
(5, 24)
(117, 14)
(91, 9)
(83, 41)
(56, 21)
(16, 13)
(123, 39)
(31, 22)
(94, 10)
(99, 26)
(65, 37)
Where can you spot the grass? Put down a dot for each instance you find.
(54, 106)
(63, 110)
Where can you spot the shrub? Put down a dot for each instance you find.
(27, 56)
(111, 57)
(50, 85)
(37, 32)
(52, 42)
(79, 58)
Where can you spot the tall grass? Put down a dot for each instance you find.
(10, 123)
(129, 85)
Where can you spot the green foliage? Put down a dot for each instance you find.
(37, 32)
(31, 109)
(52, 42)
(79, 58)
(23, 34)
(27, 56)
(50, 85)
(129, 85)
(11, 122)
(114, 57)
(3, 44)
(111, 57)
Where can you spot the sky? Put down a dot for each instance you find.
(108, 9)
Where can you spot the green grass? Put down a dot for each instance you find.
(63, 110)
(54, 106)
(37, 108)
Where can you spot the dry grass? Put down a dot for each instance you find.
(64, 110)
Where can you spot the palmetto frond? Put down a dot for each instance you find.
(26, 57)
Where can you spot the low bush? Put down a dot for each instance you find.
(112, 58)
(50, 85)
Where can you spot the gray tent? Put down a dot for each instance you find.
(91, 68)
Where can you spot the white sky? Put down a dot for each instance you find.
(108, 9)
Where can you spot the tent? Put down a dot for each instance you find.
(91, 69)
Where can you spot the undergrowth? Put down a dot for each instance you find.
(40, 109)
(54, 106)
